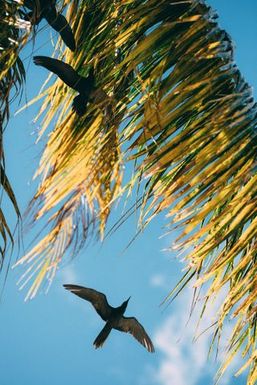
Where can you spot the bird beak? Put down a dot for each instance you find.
(128, 299)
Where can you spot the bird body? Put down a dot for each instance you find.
(84, 85)
(46, 9)
(113, 316)
(116, 314)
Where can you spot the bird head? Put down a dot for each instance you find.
(125, 304)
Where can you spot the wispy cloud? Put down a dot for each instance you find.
(69, 274)
(185, 362)
(159, 280)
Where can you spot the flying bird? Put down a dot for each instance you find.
(113, 316)
(84, 85)
(46, 9)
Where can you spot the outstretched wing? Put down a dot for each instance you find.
(132, 326)
(60, 24)
(63, 70)
(97, 299)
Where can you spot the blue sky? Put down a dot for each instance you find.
(49, 340)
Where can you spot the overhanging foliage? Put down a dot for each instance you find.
(13, 35)
(172, 98)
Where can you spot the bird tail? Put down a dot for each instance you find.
(100, 339)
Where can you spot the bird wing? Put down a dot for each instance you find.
(132, 326)
(60, 24)
(63, 70)
(97, 299)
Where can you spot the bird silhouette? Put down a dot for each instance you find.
(113, 316)
(46, 9)
(84, 85)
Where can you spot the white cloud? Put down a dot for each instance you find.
(158, 280)
(183, 361)
(186, 362)
(69, 274)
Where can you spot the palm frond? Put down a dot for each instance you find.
(177, 104)
(88, 179)
(13, 34)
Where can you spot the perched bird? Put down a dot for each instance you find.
(84, 85)
(46, 9)
(113, 316)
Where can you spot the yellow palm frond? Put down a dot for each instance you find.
(173, 100)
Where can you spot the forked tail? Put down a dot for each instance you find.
(99, 341)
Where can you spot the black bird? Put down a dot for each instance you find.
(113, 316)
(46, 9)
(84, 85)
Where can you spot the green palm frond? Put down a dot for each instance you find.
(13, 35)
(171, 98)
